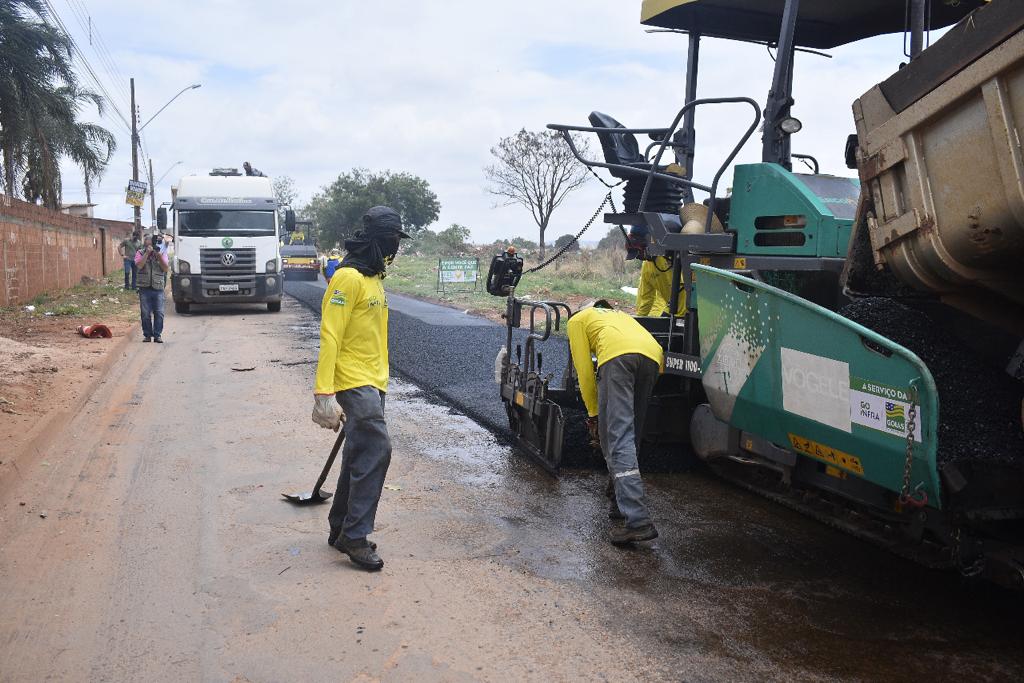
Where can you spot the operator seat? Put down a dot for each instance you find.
(618, 148)
(622, 149)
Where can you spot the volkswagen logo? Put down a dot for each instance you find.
(228, 258)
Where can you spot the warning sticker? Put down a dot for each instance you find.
(882, 407)
(827, 454)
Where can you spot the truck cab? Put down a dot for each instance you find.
(226, 241)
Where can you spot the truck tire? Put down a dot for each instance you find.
(274, 306)
(181, 307)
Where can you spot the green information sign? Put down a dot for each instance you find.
(456, 274)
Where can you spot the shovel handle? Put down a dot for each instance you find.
(330, 461)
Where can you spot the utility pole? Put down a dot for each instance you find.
(152, 191)
(135, 155)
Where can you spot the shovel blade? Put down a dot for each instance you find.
(309, 498)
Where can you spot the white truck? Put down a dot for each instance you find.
(226, 240)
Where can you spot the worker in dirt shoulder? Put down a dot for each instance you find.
(128, 247)
(628, 362)
(152, 265)
(352, 378)
(331, 264)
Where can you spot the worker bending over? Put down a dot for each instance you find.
(628, 362)
(353, 371)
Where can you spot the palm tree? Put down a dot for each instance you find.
(39, 104)
(58, 133)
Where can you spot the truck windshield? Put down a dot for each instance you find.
(210, 223)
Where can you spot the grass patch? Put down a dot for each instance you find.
(575, 277)
(95, 299)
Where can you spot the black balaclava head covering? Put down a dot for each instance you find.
(373, 248)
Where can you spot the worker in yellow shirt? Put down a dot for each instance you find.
(352, 379)
(628, 362)
(654, 291)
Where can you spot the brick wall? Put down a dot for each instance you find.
(43, 250)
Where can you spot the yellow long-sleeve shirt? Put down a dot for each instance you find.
(353, 334)
(654, 291)
(606, 334)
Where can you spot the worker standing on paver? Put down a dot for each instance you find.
(628, 362)
(655, 288)
(353, 372)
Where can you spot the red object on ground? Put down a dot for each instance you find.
(95, 331)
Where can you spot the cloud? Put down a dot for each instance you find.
(311, 89)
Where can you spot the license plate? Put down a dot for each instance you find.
(228, 288)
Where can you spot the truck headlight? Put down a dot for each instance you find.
(183, 267)
(185, 282)
(272, 266)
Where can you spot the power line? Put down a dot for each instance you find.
(99, 47)
(56, 22)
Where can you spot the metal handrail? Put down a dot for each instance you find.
(667, 133)
(816, 168)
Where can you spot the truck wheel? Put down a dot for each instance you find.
(181, 307)
(274, 306)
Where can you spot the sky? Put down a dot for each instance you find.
(313, 89)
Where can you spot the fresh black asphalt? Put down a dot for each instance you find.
(447, 353)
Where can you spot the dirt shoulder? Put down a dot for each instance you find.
(46, 367)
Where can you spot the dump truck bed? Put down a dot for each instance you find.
(940, 152)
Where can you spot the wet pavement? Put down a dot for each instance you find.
(734, 584)
(148, 541)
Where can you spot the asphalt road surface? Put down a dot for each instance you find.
(166, 553)
(447, 352)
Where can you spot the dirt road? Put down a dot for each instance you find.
(166, 553)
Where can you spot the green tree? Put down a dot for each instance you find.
(568, 239)
(58, 133)
(39, 105)
(454, 238)
(338, 208)
(536, 170)
(613, 240)
(284, 190)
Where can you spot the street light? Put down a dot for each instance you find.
(176, 163)
(135, 143)
(152, 185)
(183, 90)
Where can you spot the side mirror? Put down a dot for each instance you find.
(289, 220)
(161, 218)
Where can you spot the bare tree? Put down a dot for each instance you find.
(538, 171)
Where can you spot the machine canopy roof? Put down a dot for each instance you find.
(820, 24)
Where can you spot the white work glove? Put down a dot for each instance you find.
(327, 413)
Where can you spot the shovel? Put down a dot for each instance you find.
(316, 495)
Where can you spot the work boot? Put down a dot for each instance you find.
(332, 538)
(613, 510)
(158, 340)
(361, 554)
(146, 339)
(626, 535)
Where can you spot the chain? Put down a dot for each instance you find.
(607, 200)
(976, 567)
(906, 497)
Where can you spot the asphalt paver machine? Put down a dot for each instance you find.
(850, 347)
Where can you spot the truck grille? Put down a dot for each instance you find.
(240, 269)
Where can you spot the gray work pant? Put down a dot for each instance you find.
(364, 462)
(624, 386)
